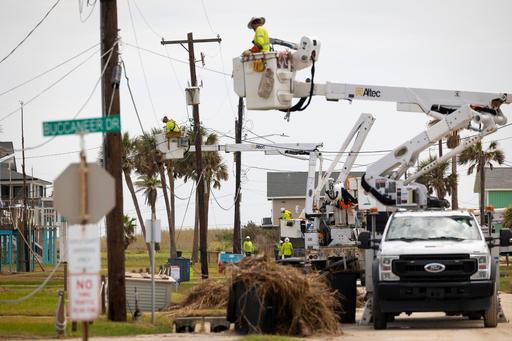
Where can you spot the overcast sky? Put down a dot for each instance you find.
(462, 45)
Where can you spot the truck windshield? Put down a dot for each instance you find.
(433, 228)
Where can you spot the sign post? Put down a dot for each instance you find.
(84, 193)
(154, 237)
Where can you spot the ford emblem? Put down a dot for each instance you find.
(435, 267)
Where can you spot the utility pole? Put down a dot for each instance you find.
(203, 233)
(25, 248)
(112, 156)
(237, 240)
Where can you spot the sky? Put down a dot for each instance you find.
(438, 44)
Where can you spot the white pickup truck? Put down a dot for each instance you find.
(434, 261)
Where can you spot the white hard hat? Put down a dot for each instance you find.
(282, 209)
(247, 237)
(253, 19)
(281, 242)
(287, 239)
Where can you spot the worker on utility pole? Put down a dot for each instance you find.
(287, 248)
(261, 42)
(248, 247)
(286, 214)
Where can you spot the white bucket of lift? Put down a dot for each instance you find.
(192, 94)
(253, 81)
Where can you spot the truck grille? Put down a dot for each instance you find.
(458, 267)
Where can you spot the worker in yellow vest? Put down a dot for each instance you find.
(261, 42)
(287, 248)
(286, 214)
(248, 247)
(171, 129)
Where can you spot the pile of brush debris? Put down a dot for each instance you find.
(301, 304)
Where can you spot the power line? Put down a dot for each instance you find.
(50, 86)
(49, 70)
(83, 105)
(176, 59)
(31, 31)
(141, 63)
(81, 8)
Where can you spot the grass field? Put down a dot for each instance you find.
(35, 317)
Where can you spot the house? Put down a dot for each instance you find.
(42, 217)
(498, 186)
(288, 190)
(11, 183)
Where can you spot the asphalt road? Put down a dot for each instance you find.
(421, 326)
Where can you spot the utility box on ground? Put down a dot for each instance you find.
(163, 289)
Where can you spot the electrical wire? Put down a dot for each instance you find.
(36, 290)
(30, 32)
(81, 7)
(223, 208)
(49, 87)
(48, 71)
(176, 59)
(141, 63)
(110, 51)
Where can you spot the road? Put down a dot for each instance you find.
(424, 326)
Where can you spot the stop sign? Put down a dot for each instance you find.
(101, 193)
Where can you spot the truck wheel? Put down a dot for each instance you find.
(491, 314)
(379, 318)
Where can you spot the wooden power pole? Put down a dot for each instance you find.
(203, 234)
(112, 157)
(237, 238)
(25, 252)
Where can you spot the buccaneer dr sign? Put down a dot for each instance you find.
(107, 124)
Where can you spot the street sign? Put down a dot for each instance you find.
(83, 244)
(84, 296)
(156, 229)
(107, 124)
(101, 193)
(83, 249)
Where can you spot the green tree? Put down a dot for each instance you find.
(507, 218)
(150, 163)
(214, 172)
(149, 186)
(478, 158)
(128, 157)
(129, 230)
(437, 179)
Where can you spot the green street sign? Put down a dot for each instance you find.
(108, 124)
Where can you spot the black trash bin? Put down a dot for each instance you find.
(345, 284)
(248, 314)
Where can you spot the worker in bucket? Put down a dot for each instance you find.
(248, 247)
(286, 214)
(261, 42)
(171, 129)
(287, 248)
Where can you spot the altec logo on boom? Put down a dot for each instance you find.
(367, 92)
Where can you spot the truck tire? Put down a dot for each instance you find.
(379, 318)
(491, 314)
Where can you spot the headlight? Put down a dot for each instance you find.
(385, 268)
(483, 267)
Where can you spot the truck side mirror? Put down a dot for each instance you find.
(364, 240)
(505, 237)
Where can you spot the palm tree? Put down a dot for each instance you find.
(437, 179)
(129, 230)
(150, 164)
(214, 171)
(478, 158)
(149, 185)
(129, 150)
